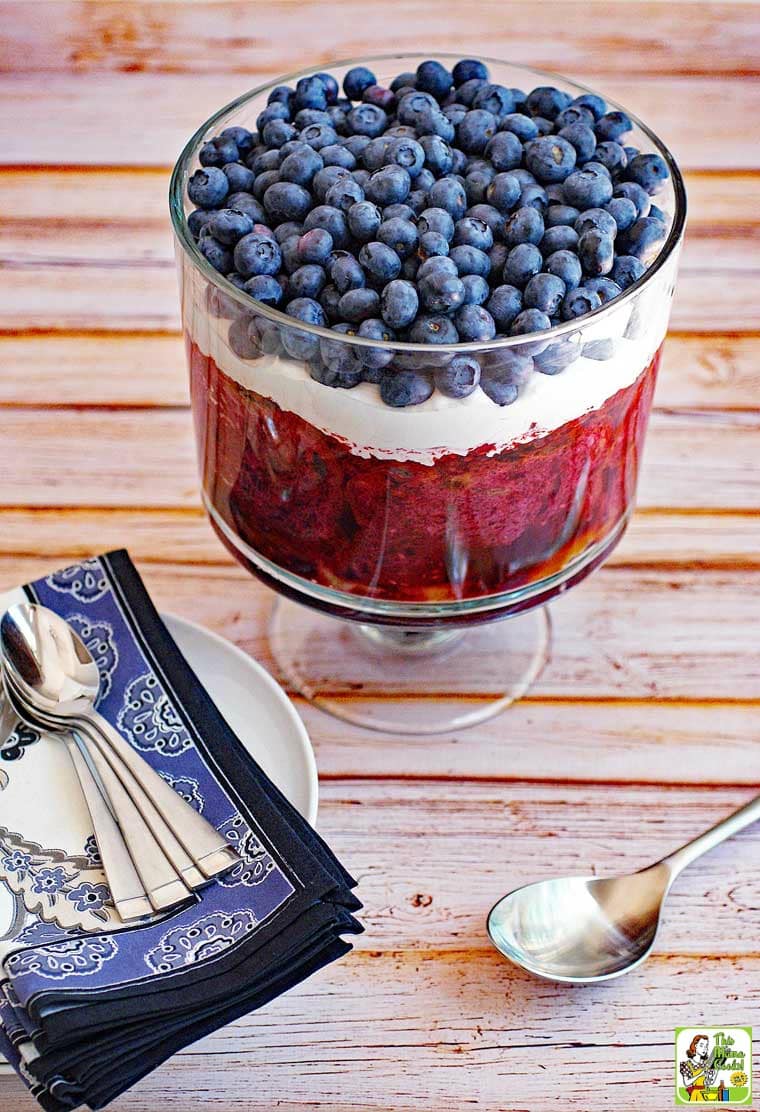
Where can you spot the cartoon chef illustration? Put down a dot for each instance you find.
(697, 1069)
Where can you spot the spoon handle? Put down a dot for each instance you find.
(163, 885)
(208, 849)
(126, 888)
(711, 838)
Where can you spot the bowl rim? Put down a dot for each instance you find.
(251, 306)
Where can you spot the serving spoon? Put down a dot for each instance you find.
(52, 672)
(581, 930)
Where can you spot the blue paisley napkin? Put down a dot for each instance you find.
(75, 984)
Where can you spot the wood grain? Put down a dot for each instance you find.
(223, 37)
(62, 121)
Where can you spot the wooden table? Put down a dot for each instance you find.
(642, 730)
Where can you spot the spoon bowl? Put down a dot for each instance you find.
(581, 929)
(50, 664)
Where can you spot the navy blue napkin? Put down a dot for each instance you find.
(75, 985)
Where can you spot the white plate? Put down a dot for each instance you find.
(258, 711)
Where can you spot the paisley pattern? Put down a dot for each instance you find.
(188, 788)
(149, 719)
(74, 957)
(99, 638)
(207, 937)
(86, 581)
(18, 741)
(255, 864)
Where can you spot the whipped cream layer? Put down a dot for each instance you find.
(442, 426)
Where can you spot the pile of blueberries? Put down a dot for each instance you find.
(444, 209)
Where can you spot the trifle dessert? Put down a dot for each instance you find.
(423, 313)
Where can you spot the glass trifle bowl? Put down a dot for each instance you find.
(403, 495)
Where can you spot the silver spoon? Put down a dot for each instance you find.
(54, 672)
(582, 929)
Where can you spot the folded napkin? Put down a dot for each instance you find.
(88, 1005)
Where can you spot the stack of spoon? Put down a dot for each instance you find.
(155, 848)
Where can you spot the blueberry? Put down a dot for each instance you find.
(474, 232)
(243, 338)
(438, 264)
(643, 239)
(289, 250)
(218, 151)
(284, 200)
(216, 253)
(207, 188)
(281, 94)
(436, 220)
(265, 160)
(579, 302)
(319, 136)
(438, 158)
(307, 281)
(433, 78)
(496, 383)
(240, 178)
(524, 177)
(228, 225)
(375, 329)
(475, 130)
(359, 305)
(401, 388)
(455, 112)
(399, 234)
(197, 221)
(278, 132)
(597, 219)
(504, 304)
(605, 287)
(343, 194)
(627, 269)
(380, 262)
(441, 293)
(590, 187)
(356, 144)
(408, 154)
(544, 292)
(558, 238)
(557, 357)
(612, 125)
(467, 90)
(399, 212)
(558, 215)
(611, 155)
(264, 288)
(565, 265)
(596, 251)
(263, 182)
(399, 303)
(332, 220)
(440, 126)
(417, 200)
(496, 99)
(622, 211)
(315, 246)
(301, 166)
(474, 323)
(357, 80)
(504, 192)
(468, 69)
(650, 171)
(458, 162)
(525, 225)
(521, 126)
(276, 110)
(380, 97)
(241, 137)
(476, 289)
(329, 299)
(550, 158)
(523, 262)
(257, 254)
(547, 101)
(433, 330)
(364, 219)
(459, 378)
(307, 117)
(336, 154)
(367, 119)
(574, 114)
(582, 138)
(636, 194)
(432, 244)
(476, 183)
(310, 93)
(593, 103)
(555, 194)
(601, 349)
(490, 216)
(527, 322)
(403, 79)
(448, 193)
(657, 214)
(534, 196)
(470, 260)
(417, 109)
(301, 345)
(346, 274)
(388, 186)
